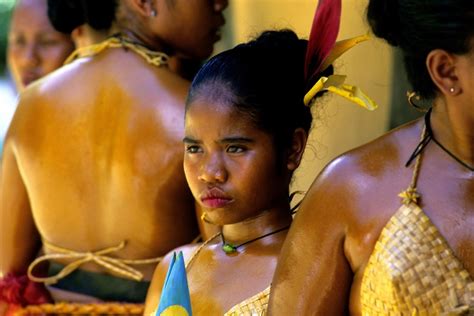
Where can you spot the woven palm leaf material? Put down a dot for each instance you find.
(254, 306)
(82, 309)
(412, 270)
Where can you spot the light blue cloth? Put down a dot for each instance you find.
(175, 300)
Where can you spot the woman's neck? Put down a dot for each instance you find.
(143, 39)
(454, 129)
(264, 223)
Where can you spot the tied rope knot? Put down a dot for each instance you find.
(100, 257)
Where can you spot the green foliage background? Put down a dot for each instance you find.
(5, 12)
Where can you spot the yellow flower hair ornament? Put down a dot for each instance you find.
(323, 50)
(335, 83)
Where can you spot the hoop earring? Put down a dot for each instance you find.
(411, 96)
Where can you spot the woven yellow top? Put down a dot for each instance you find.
(413, 271)
(254, 306)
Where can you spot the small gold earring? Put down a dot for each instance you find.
(204, 219)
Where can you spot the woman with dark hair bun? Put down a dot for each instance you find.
(239, 168)
(388, 227)
(87, 21)
(92, 167)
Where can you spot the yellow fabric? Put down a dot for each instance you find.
(413, 271)
(254, 306)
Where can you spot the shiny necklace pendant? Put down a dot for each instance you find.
(229, 248)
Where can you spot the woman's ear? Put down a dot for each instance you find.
(296, 150)
(147, 8)
(442, 69)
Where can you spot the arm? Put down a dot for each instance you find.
(20, 240)
(313, 276)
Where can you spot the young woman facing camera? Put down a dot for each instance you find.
(242, 143)
(246, 127)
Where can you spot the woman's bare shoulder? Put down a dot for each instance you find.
(159, 276)
(372, 171)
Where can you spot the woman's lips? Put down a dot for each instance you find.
(215, 198)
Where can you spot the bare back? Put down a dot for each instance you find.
(98, 147)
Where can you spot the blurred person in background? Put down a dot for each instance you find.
(35, 48)
(92, 171)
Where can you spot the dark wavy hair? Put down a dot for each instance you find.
(420, 26)
(264, 80)
(66, 15)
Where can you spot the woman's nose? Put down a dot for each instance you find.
(29, 55)
(213, 171)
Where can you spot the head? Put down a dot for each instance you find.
(86, 21)
(35, 48)
(186, 28)
(432, 35)
(246, 127)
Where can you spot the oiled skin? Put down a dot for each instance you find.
(334, 233)
(93, 158)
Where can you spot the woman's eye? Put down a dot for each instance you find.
(47, 42)
(233, 149)
(17, 40)
(193, 149)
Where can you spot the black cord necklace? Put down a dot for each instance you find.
(429, 132)
(230, 248)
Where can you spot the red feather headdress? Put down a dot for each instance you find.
(323, 50)
(322, 37)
